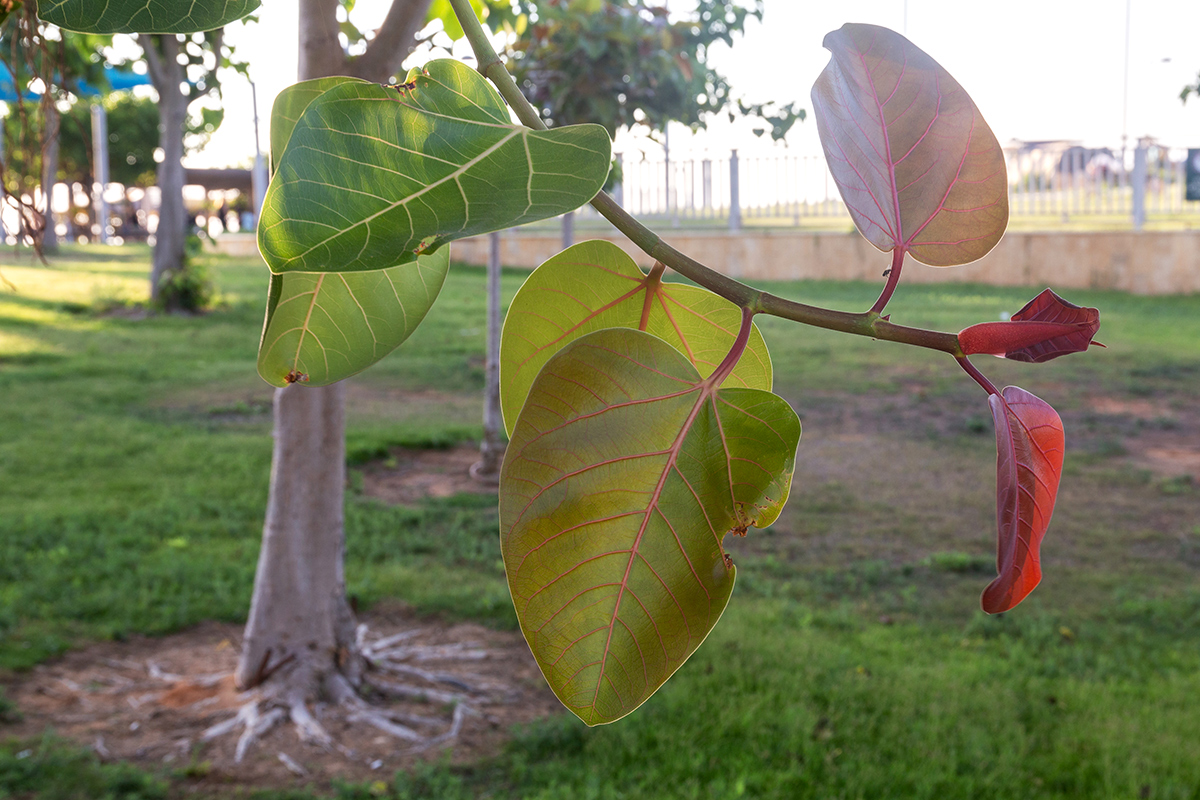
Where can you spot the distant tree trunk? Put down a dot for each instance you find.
(170, 238)
(50, 176)
(491, 450)
(568, 229)
(300, 630)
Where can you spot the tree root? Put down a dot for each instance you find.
(269, 704)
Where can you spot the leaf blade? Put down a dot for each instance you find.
(615, 496)
(144, 16)
(329, 326)
(596, 285)
(375, 175)
(290, 105)
(1029, 457)
(917, 166)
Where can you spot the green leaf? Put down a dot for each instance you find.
(916, 164)
(322, 327)
(596, 285)
(143, 16)
(625, 472)
(290, 105)
(375, 175)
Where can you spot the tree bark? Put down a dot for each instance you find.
(393, 41)
(170, 238)
(300, 626)
(50, 176)
(491, 449)
(299, 618)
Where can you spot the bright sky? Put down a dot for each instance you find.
(1037, 69)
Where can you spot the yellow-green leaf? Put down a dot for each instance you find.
(596, 285)
(625, 472)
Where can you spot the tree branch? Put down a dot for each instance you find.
(753, 300)
(393, 41)
(321, 52)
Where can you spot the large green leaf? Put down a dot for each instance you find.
(322, 327)
(596, 285)
(289, 106)
(375, 175)
(918, 167)
(143, 16)
(625, 472)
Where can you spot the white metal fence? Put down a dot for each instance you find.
(1057, 181)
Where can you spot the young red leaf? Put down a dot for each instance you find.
(1049, 307)
(918, 168)
(1016, 339)
(1029, 459)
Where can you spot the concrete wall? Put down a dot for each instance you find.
(1141, 263)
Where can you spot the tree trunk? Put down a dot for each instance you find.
(491, 450)
(299, 620)
(50, 176)
(170, 237)
(568, 229)
(298, 613)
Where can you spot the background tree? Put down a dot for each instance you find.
(628, 63)
(1189, 89)
(55, 61)
(300, 633)
(183, 69)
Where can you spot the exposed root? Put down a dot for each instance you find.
(267, 706)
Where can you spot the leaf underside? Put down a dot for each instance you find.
(917, 166)
(596, 285)
(624, 474)
(143, 16)
(1029, 458)
(375, 175)
(323, 327)
(320, 327)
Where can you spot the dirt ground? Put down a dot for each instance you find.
(149, 700)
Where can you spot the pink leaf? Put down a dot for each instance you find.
(917, 166)
(1029, 459)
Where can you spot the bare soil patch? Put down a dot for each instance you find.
(149, 700)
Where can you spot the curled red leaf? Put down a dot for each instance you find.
(1049, 307)
(1047, 327)
(1006, 338)
(1029, 459)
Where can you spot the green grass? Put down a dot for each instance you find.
(853, 662)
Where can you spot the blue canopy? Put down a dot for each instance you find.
(117, 81)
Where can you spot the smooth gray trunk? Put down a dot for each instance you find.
(568, 229)
(299, 618)
(171, 235)
(491, 450)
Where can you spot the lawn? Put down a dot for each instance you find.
(853, 661)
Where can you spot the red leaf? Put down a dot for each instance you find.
(1003, 338)
(1049, 307)
(1029, 459)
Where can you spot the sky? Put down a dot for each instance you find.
(1037, 69)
